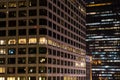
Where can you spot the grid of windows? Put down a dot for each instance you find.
(34, 33)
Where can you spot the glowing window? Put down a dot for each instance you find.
(12, 41)
(12, 5)
(43, 40)
(2, 42)
(2, 70)
(32, 40)
(21, 78)
(2, 51)
(2, 78)
(10, 78)
(50, 42)
(22, 41)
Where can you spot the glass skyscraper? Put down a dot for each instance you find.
(103, 38)
(42, 40)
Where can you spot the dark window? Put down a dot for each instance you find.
(43, 12)
(2, 23)
(32, 22)
(43, 2)
(32, 50)
(12, 23)
(12, 14)
(22, 22)
(32, 12)
(32, 31)
(42, 21)
(2, 32)
(21, 50)
(22, 60)
(11, 51)
(11, 70)
(42, 69)
(22, 13)
(31, 60)
(32, 78)
(11, 32)
(2, 14)
(42, 50)
(22, 32)
(42, 31)
(2, 60)
(11, 60)
(21, 70)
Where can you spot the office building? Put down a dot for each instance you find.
(103, 38)
(42, 40)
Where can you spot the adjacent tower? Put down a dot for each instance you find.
(103, 38)
(42, 40)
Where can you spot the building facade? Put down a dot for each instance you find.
(42, 40)
(103, 38)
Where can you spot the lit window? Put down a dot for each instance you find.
(32, 40)
(42, 60)
(2, 51)
(12, 41)
(42, 78)
(43, 40)
(50, 42)
(2, 70)
(10, 78)
(22, 41)
(2, 78)
(11, 51)
(2, 42)
(21, 78)
(12, 4)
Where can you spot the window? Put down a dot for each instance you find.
(22, 4)
(22, 22)
(2, 14)
(42, 31)
(2, 51)
(42, 78)
(11, 32)
(21, 70)
(21, 50)
(21, 78)
(12, 14)
(2, 42)
(2, 60)
(31, 69)
(42, 60)
(32, 78)
(11, 41)
(32, 50)
(11, 51)
(32, 3)
(11, 61)
(2, 78)
(32, 31)
(43, 40)
(43, 12)
(22, 32)
(22, 13)
(43, 2)
(32, 40)
(12, 23)
(31, 60)
(2, 24)
(42, 50)
(22, 41)
(2, 32)
(32, 22)
(42, 69)
(11, 70)
(2, 69)
(3, 5)
(42, 21)
(21, 60)
(32, 12)
(10, 78)
(12, 4)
